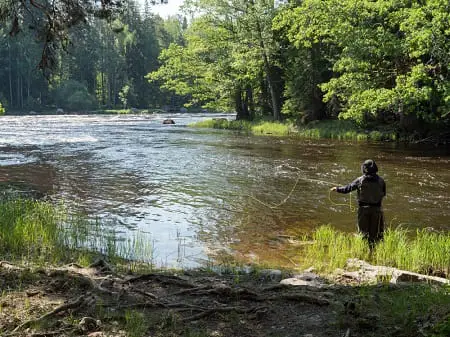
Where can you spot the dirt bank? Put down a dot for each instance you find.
(95, 301)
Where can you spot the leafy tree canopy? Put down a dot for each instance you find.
(392, 55)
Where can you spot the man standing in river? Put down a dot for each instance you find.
(371, 189)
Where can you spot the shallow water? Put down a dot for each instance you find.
(194, 191)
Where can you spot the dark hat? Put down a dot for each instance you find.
(369, 167)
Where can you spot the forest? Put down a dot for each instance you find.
(99, 63)
(384, 62)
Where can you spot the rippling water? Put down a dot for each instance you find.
(195, 191)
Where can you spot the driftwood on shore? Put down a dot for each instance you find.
(366, 272)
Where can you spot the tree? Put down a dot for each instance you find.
(391, 57)
(230, 58)
(73, 95)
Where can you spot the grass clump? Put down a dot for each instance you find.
(39, 232)
(330, 249)
(425, 252)
(135, 323)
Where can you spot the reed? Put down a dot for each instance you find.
(39, 232)
(330, 249)
(423, 251)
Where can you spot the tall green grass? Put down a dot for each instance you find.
(223, 123)
(330, 249)
(422, 251)
(257, 128)
(343, 130)
(40, 232)
(425, 252)
(330, 129)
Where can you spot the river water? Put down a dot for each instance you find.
(193, 192)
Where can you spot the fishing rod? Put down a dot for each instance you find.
(274, 206)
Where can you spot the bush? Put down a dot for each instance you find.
(73, 95)
(80, 100)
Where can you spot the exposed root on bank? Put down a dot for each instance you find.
(84, 300)
(74, 301)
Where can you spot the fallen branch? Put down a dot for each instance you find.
(61, 332)
(9, 265)
(64, 307)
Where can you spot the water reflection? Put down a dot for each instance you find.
(198, 191)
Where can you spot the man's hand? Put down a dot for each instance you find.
(333, 188)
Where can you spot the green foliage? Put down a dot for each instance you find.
(135, 323)
(389, 57)
(73, 95)
(103, 55)
(411, 308)
(2, 110)
(197, 70)
(229, 58)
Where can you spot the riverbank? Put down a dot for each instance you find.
(327, 129)
(98, 301)
(62, 277)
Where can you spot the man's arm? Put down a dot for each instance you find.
(347, 188)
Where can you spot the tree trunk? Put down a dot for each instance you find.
(10, 76)
(241, 109)
(250, 102)
(269, 76)
(317, 105)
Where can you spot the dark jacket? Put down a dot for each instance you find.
(371, 189)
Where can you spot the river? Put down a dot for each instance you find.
(193, 192)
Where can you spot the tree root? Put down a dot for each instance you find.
(163, 279)
(219, 290)
(301, 298)
(79, 302)
(145, 293)
(212, 311)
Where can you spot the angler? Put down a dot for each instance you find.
(371, 189)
